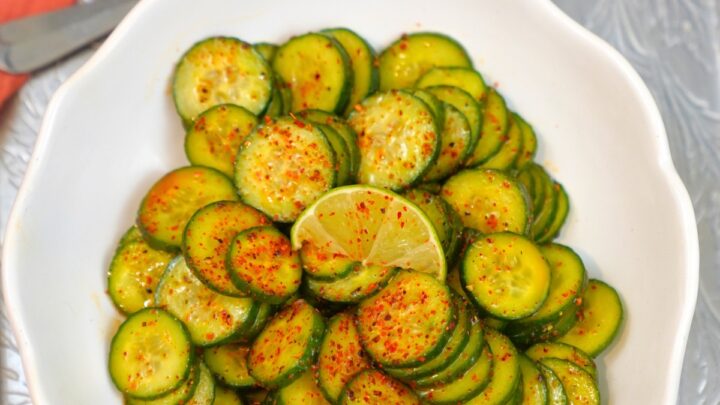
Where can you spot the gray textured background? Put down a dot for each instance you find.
(673, 44)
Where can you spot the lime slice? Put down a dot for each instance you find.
(373, 226)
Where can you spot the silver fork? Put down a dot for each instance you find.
(31, 43)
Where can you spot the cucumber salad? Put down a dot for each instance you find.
(353, 228)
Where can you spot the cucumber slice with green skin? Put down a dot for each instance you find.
(409, 57)
(303, 391)
(216, 134)
(563, 351)
(133, 234)
(362, 282)
(505, 371)
(469, 355)
(339, 125)
(529, 142)
(473, 381)
(506, 275)
(283, 166)
(324, 265)
(229, 364)
(257, 397)
(437, 211)
(205, 392)
(411, 298)
(179, 395)
(528, 182)
(398, 139)
(265, 311)
(276, 107)
(172, 200)
(457, 237)
(226, 396)
(580, 387)
(287, 97)
(362, 61)
(556, 392)
(211, 318)
(436, 106)
(517, 398)
(534, 391)
(534, 187)
(207, 238)
(134, 274)
(548, 205)
(266, 50)
(221, 70)
(341, 356)
(262, 264)
(463, 78)
(488, 200)
(567, 282)
(599, 319)
(454, 146)
(287, 346)
(561, 212)
(454, 346)
(468, 106)
(150, 354)
(342, 154)
(317, 71)
(372, 386)
(509, 152)
(495, 323)
(495, 125)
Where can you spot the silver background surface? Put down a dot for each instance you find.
(673, 44)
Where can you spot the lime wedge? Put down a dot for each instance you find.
(373, 226)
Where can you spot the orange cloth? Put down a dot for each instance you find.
(14, 9)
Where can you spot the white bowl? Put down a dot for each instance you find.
(111, 130)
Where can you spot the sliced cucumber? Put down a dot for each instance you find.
(567, 282)
(342, 128)
(468, 106)
(579, 386)
(221, 70)
(226, 396)
(561, 212)
(505, 371)
(534, 391)
(341, 356)
(216, 134)
(373, 387)
(205, 392)
(287, 347)
(229, 364)
(262, 264)
(599, 319)
(363, 281)
(439, 213)
(265, 311)
(510, 150)
(464, 78)
(256, 397)
(436, 106)
(179, 395)
(563, 351)
(207, 238)
(454, 145)
(323, 264)
(470, 354)
(276, 107)
(211, 318)
(303, 391)
(317, 71)
(506, 275)
(150, 354)
(494, 128)
(284, 166)
(473, 381)
(409, 57)
(342, 154)
(546, 214)
(411, 298)
(173, 199)
(134, 274)
(398, 139)
(555, 390)
(488, 200)
(529, 143)
(454, 346)
(362, 60)
(133, 234)
(266, 50)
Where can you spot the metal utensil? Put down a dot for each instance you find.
(31, 43)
